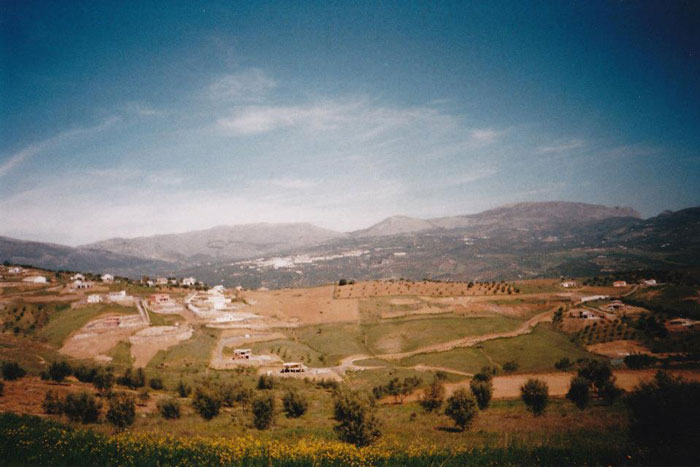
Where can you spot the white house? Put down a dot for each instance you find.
(107, 278)
(94, 298)
(117, 296)
(15, 270)
(189, 281)
(35, 279)
(591, 298)
(242, 354)
(77, 277)
(81, 284)
(568, 284)
(620, 284)
(649, 282)
(161, 281)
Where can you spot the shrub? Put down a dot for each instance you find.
(263, 412)
(156, 383)
(461, 408)
(639, 361)
(58, 371)
(144, 396)
(398, 389)
(596, 372)
(11, 371)
(535, 395)
(183, 389)
(133, 379)
(295, 404)
(52, 404)
(122, 410)
(563, 364)
(266, 382)
(433, 396)
(510, 366)
(169, 409)
(103, 380)
(665, 419)
(482, 391)
(609, 392)
(342, 282)
(579, 392)
(355, 414)
(81, 407)
(85, 374)
(206, 403)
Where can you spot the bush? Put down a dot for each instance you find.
(263, 412)
(638, 361)
(81, 407)
(398, 389)
(183, 389)
(58, 371)
(510, 366)
(461, 408)
(156, 383)
(52, 404)
(85, 374)
(342, 282)
(295, 405)
(535, 395)
(206, 403)
(665, 419)
(579, 392)
(563, 364)
(609, 392)
(433, 396)
(169, 409)
(355, 414)
(133, 379)
(122, 410)
(596, 372)
(103, 380)
(482, 391)
(266, 382)
(11, 371)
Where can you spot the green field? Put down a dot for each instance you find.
(537, 351)
(121, 355)
(403, 335)
(289, 351)
(191, 356)
(64, 322)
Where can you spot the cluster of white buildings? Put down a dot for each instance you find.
(289, 262)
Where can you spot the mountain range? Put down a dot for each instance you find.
(519, 240)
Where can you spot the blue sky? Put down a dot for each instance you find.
(136, 118)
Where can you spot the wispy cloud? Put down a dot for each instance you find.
(291, 183)
(32, 150)
(560, 147)
(250, 85)
(485, 135)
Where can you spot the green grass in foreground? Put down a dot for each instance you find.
(62, 323)
(190, 356)
(121, 355)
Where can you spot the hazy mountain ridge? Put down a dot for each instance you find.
(524, 240)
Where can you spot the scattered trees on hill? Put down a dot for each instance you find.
(263, 412)
(169, 409)
(183, 389)
(206, 403)
(122, 410)
(579, 392)
(266, 382)
(58, 371)
(563, 364)
(103, 380)
(461, 408)
(398, 389)
(510, 366)
(81, 407)
(133, 379)
(155, 383)
(355, 414)
(84, 374)
(12, 371)
(52, 403)
(535, 395)
(295, 404)
(483, 391)
(601, 380)
(433, 396)
(638, 361)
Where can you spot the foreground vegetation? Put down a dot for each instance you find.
(26, 440)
